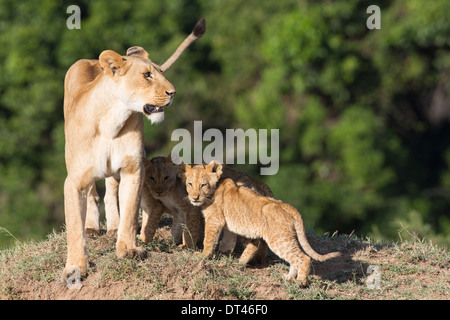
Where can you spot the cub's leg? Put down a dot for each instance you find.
(92, 215)
(152, 211)
(213, 227)
(261, 253)
(131, 180)
(112, 205)
(255, 251)
(228, 241)
(178, 220)
(193, 224)
(285, 246)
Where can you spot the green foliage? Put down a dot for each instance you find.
(363, 114)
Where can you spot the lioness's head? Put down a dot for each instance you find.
(200, 180)
(160, 175)
(138, 82)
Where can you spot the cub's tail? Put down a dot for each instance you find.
(301, 235)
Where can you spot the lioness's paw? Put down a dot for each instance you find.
(135, 253)
(71, 276)
(92, 232)
(112, 233)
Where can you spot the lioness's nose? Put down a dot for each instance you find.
(171, 93)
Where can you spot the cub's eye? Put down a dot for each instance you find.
(189, 185)
(148, 75)
(151, 178)
(166, 178)
(203, 185)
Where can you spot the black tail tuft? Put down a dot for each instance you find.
(200, 28)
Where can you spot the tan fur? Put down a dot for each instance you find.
(163, 192)
(103, 103)
(225, 204)
(255, 249)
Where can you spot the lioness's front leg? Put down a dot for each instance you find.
(129, 201)
(75, 212)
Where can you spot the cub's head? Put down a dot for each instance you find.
(137, 82)
(160, 175)
(201, 181)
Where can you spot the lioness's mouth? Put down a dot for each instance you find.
(151, 108)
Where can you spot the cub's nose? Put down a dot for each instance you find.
(171, 93)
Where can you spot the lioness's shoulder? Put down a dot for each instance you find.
(77, 80)
(83, 71)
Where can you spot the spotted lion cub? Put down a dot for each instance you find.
(225, 204)
(163, 192)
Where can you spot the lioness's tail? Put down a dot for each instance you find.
(198, 31)
(301, 235)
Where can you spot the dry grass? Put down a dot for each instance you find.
(409, 270)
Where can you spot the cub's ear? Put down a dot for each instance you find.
(138, 52)
(214, 167)
(113, 63)
(146, 163)
(183, 168)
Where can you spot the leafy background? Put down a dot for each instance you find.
(363, 114)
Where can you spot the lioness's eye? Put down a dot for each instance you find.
(148, 75)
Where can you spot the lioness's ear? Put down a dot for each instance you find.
(137, 51)
(214, 167)
(112, 63)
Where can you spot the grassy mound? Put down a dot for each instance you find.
(407, 270)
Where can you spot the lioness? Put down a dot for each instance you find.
(103, 105)
(225, 204)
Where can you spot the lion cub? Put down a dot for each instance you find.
(163, 192)
(225, 204)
